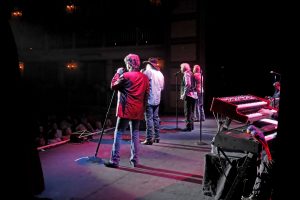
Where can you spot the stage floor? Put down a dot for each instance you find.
(170, 170)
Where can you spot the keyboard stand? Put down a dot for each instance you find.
(241, 175)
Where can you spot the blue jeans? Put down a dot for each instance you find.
(199, 111)
(121, 126)
(152, 122)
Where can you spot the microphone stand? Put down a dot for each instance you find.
(273, 99)
(176, 100)
(95, 158)
(200, 111)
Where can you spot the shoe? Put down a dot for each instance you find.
(133, 163)
(156, 140)
(251, 197)
(111, 165)
(186, 130)
(147, 142)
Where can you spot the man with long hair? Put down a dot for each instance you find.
(133, 91)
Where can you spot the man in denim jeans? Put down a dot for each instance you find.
(199, 111)
(156, 80)
(133, 90)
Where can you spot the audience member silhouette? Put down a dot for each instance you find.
(21, 163)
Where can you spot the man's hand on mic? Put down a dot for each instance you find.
(120, 70)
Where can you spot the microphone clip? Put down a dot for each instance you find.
(272, 72)
(177, 73)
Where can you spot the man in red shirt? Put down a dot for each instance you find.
(133, 91)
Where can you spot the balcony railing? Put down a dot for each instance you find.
(92, 39)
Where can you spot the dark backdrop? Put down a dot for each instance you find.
(243, 44)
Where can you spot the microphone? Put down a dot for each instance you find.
(272, 72)
(120, 70)
(177, 73)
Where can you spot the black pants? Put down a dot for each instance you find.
(189, 106)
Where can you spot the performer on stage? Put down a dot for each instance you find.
(156, 80)
(188, 94)
(133, 91)
(274, 102)
(199, 111)
(276, 96)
